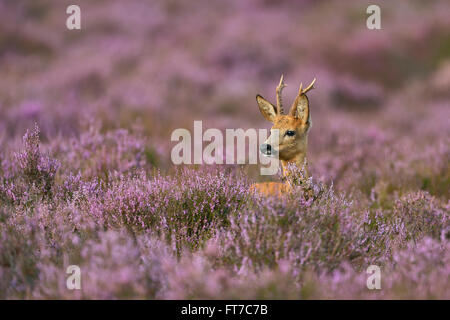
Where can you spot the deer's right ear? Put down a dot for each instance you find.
(267, 109)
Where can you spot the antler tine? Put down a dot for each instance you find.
(279, 89)
(310, 87)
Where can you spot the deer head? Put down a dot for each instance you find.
(289, 141)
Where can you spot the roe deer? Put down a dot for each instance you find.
(292, 134)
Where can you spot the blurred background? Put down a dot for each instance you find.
(157, 65)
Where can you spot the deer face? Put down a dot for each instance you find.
(289, 133)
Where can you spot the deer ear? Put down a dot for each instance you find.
(301, 106)
(267, 109)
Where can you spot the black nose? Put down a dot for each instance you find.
(266, 148)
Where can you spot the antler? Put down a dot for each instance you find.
(310, 87)
(279, 89)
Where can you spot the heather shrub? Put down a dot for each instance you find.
(91, 183)
(113, 265)
(418, 272)
(97, 155)
(35, 238)
(19, 253)
(185, 209)
(32, 175)
(199, 233)
(304, 187)
(421, 215)
(412, 218)
(37, 169)
(194, 277)
(317, 233)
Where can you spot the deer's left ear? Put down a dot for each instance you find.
(301, 105)
(267, 109)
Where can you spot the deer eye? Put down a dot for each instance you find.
(290, 133)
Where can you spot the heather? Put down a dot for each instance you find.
(86, 177)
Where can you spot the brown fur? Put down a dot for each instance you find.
(291, 149)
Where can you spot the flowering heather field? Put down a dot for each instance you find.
(85, 171)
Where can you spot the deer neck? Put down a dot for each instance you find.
(299, 161)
